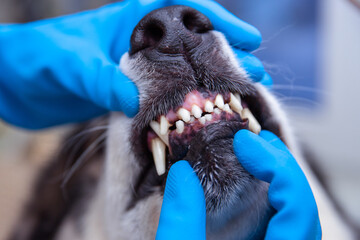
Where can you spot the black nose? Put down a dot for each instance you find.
(170, 30)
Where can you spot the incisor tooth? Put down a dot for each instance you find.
(196, 111)
(184, 114)
(219, 101)
(158, 150)
(179, 126)
(209, 106)
(164, 125)
(235, 103)
(208, 117)
(156, 127)
(254, 125)
(202, 120)
(217, 111)
(227, 108)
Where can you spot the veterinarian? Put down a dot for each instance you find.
(65, 70)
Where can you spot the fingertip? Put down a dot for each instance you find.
(267, 81)
(126, 96)
(182, 182)
(251, 64)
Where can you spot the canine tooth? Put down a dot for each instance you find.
(217, 111)
(192, 119)
(164, 125)
(158, 150)
(235, 103)
(209, 106)
(227, 108)
(254, 125)
(202, 120)
(179, 126)
(219, 101)
(237, 96)
(184, 114)
(156, 127)
(196, 111)
(208, 117)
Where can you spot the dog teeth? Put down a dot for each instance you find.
(217, 111)
(156, 127)
(164, 125)
(192, 119)
(235, 103)
(202, 120)
(196, 111)
(227, 109)
(254, 125)
(184, 114)
(158, 150)
(209, 106)
(180, 126)
(219, 101)
(208, 117)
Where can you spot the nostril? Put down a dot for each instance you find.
(147, 35)
(153, 33)
(196, 22)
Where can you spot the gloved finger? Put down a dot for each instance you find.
(251, 64)
(289, 192)
(267, 81)
(273, 140)
(257, 156)
(183, 213)
(239, 33)
(111, 89)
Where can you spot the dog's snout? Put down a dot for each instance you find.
(170, 30)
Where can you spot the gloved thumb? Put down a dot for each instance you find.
(114, 91)
(183, 212)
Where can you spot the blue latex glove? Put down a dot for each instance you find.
(183, 211)
(65, 69)
(268, 159)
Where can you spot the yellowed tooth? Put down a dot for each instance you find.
(227, 108)
(164, 125)
(219, 101)
(202, 120)
(158, 149)
(254, 125)
(179, 126)
(237, 95)
(184, 114)
(235, 103)
(196, 111)
(209, 106)
(156, 127)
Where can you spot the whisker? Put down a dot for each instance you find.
(82, 159)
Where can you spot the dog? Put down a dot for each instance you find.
(107, 180)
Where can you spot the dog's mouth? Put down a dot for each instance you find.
(170, 136)
(194, 98)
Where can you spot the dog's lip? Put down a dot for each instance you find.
(199, 109)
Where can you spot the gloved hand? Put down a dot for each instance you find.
(267, 158)
(65, 69)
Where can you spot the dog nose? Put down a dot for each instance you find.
(170, 30)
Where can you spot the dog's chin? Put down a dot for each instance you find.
(211, 155)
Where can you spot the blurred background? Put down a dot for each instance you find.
(310, 47)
